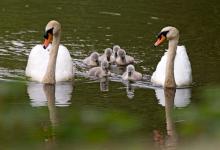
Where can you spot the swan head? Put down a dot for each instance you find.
(115, 50)
(53, 28)
(95, 57)
(169, 33)
(130, 69)
(121, 53)
(108, 53)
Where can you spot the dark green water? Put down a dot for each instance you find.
(81, 115)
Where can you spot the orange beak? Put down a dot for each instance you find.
(160, 40)
(47, 40)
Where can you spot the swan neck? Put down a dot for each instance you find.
(49, 77)
(169, 74)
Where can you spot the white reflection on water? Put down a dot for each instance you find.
(63, 94)
(170, 98)
(181, 99)
(6, 73)
(110, 13)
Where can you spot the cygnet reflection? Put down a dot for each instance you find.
(129, 90)
(181, 99)
(63, 93)
(104, 82)
(117, 69)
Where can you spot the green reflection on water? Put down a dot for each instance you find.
(112, 120)
(201, 123)
(202, 118)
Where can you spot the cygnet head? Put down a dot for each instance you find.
(169, 33)
(115, 50)
(130, 69)
(108, 53)
(105, 65)
(53, 29)
(121, 53)
(95, 57)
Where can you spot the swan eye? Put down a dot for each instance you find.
(46, 35)
(164, 33)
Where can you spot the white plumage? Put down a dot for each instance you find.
(38, 61)
(182, 69)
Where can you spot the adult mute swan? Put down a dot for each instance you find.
(50, 63)
(174, 68)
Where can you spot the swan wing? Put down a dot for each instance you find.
(182, 67)
(158, 76)
(37, 63)
(64, 65)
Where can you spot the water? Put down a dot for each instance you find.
(112, 113)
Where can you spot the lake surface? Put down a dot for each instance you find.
(88, 114)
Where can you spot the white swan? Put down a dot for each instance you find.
(174, 68)
(50, 63)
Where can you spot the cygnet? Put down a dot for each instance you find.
(101, 71)
(115, 51)
(131, 74)
(107, 56)
(92, 60)
(123, 59)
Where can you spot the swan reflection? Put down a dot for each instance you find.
(62, 93)
(50, 96)
(170, 98)
(170, 140)
(181, 97)
(49, 91)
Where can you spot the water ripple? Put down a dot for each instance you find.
(110, 13)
